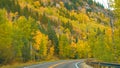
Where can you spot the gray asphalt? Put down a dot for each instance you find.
(58, 64)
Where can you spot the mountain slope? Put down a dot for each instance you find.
(40, 29)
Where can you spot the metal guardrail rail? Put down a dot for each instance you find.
(103, 65)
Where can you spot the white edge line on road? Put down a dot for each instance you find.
(76, 64)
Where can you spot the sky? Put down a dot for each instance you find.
(104, 2)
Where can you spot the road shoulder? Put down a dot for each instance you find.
(84, 65)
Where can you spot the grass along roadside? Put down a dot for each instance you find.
(21, 65)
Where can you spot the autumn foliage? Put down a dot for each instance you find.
(35, 30)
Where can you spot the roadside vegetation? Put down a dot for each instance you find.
(38, 30)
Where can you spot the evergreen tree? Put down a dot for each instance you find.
(53, 37)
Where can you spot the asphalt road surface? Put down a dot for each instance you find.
(59, 64)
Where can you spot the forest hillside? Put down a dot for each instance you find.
(35, 30)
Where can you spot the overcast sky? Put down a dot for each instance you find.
(104, 2)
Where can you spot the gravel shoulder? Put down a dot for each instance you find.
(84, 65)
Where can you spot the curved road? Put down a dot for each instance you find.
(59, 64)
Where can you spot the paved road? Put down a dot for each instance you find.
(59, 64)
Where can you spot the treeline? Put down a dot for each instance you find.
(34, 31)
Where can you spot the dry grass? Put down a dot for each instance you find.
(21, 65)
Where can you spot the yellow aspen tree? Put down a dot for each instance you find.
(40, 44)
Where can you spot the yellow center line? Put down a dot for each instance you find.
(57, 64)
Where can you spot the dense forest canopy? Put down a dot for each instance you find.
(35, 30)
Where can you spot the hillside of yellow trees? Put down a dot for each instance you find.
(35, 30)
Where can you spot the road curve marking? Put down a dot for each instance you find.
(57, 64)
(76, 64)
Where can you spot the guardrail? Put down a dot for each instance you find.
(102, 64)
